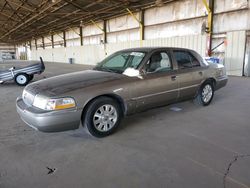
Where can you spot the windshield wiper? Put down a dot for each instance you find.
(104, 69)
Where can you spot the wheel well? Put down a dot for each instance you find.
(116, 98)
(211, 80)
(23, 73)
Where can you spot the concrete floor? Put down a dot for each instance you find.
(197, 147)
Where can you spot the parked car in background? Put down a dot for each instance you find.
(124, 83)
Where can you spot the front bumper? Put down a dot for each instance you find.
(221, 82)
(52, 121)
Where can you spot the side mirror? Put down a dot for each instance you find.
(131, 72)
(143, 72)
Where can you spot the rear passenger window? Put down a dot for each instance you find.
(195, 62)
(185, 60)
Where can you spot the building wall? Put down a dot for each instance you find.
(92, 54)
(235, 52)
(7, 51)
(177, 24)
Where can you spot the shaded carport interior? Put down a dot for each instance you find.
(22, 20)
(181, 150)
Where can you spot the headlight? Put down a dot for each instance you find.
(53, 104)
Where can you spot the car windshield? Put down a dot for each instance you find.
(120, 61)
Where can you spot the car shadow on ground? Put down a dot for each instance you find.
(158, 114)
(162, 113)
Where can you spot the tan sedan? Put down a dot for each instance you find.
(124, 83)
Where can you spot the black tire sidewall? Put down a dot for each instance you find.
(31, 76)
(26, 76)
(92, 108)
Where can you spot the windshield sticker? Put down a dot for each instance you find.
(139, 54)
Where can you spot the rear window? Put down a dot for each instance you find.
(185, 60)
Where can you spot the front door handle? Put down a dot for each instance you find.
(201, 73)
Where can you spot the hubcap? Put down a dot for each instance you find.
(105, 118)
(207, 93)
(21, 79)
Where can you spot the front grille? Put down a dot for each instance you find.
(28, 98)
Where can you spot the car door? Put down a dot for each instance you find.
(190, 73)
(158, 84)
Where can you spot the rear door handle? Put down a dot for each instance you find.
(201, 73)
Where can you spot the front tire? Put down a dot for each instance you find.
(102, 117)
(205, 94)
(22, 79)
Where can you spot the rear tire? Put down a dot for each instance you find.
(205, 94)
(22, 79)
(102, 117)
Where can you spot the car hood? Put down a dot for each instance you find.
(62, 84)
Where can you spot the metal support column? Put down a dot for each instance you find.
(30, 45)
(64, 39)
(36, 43)
(210, 9)
(105, 36)
(26, 51)
(142, 27)
(81, 36)
(43, 44)
(104, 31)
(52, 41)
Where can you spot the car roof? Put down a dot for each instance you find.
(149, 49)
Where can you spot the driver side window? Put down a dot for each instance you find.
(159, 62)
